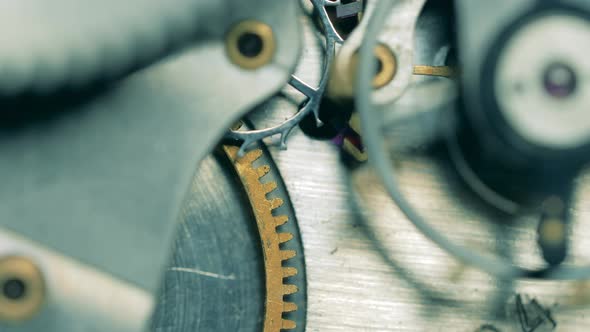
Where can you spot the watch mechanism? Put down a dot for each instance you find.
(295, 165)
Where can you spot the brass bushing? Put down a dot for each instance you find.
(22, 289)
(250, 44)
(386, 66)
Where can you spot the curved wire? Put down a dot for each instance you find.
(377, 152)
(473, 181)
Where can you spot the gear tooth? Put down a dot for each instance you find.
(289, 272)
(275, 203)
(281, 220)
(267, 222)
(289, 289)
(262, 170)
(284, 237)
(288, 324)
(269, 186)
(287, 254)
(251, 156)
(289, 307)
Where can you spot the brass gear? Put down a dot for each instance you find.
(270, 239)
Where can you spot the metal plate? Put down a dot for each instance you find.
(96, 178)
(215, 281)
(380, 274)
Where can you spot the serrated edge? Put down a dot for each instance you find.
(267, 224)
(312, 105)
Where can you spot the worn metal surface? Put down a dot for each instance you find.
(216, 279)
(378, 273)
(99, 178)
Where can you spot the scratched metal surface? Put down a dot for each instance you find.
(215, 279)
(216, 269)
(369, 269)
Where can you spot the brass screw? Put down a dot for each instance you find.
(22, 288)
(250, 44)
(386, 66)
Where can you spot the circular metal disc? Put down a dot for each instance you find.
(216, 278)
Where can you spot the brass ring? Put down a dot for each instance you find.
(22, 288)
(276, 259)
(387, 66)
(250, 44)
